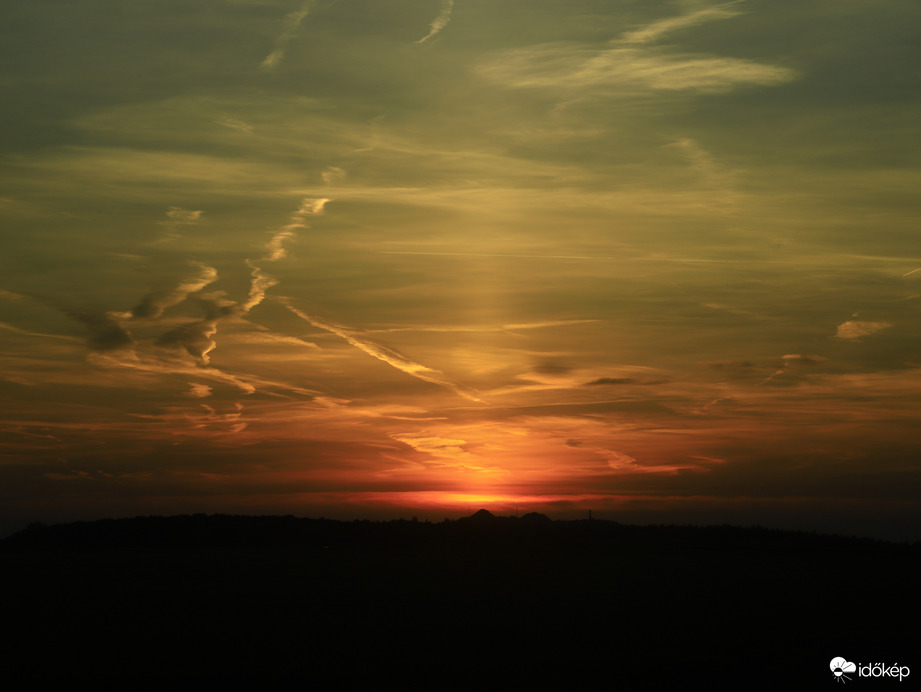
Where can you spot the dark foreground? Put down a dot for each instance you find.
(485, 603)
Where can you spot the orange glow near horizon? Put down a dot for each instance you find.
(498, 503)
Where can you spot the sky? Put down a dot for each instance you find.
(374, 258)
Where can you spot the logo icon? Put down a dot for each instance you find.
(839, 667)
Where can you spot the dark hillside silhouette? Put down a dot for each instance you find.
(278, 602)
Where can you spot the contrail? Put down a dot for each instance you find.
(440, 22)
(912, 272)
(153, 305)
(392, 358)
(654, 31)
(292, 22)
(17, 330)
(261, 282)
(258, 287)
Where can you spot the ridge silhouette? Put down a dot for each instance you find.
(482, 515)
(274, 602)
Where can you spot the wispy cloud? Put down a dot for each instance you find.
(106, 332)
(653, 32)
(440, 22)
(184, 216)
(570, 67)
(11, 295)
(26, 332)
(289, 29)
(854, 330)
(618, 460)
(630, 62)
(178, 217)
(235, 124)
(447, 449)
(193, 339)
(180, 350)
(153, 305)
(270, 338)
(333, 175)
(198, 390)
(309, 206)
(713, 175)
(196, 338)
(807, 359)
(259, 284)
(481, 328)
(275, 247)
(389, 356)
(796, 360)
(156, 364)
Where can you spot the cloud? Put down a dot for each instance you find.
(178, 364)
(180, 217)
(153, 305)
(854, 330)
(804, 359)
(11, 295)
(442, 447)
(272, 339)
(26, 332)
(630, 62)
(656, 30)
(619, 460)
(793, 360)
(198, 391)
(276, 246)
(333, 175)
(572, 68)
(184, 216)
(389, 356)
(713, 175)
(440, 22)
(106, 333)
(289, 29)
(182, 350)
(235, 124)
(311, 206)
(261, 282)
(196, 337)
(258, 287)
(147, 363)
(450, 451)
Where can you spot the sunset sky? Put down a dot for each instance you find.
(374, 258)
